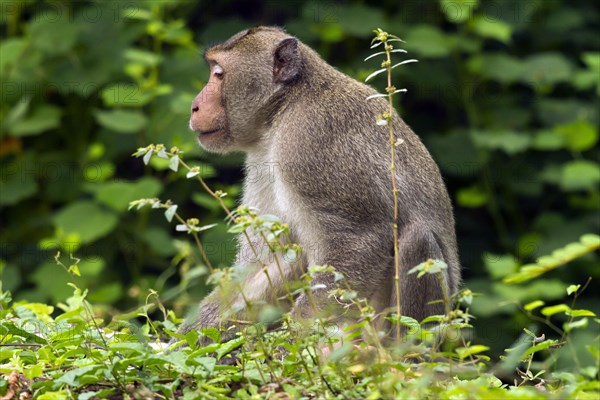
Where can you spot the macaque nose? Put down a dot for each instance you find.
(195, 106)
(197, 101)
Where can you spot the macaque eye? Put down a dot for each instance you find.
(218, 71)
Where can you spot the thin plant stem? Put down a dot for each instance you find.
(390, 91)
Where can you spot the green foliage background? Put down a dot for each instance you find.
(506, 97)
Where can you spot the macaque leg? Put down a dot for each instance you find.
(416, 244)
(362, 259)
(229, 304)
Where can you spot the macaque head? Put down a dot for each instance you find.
(250, 74)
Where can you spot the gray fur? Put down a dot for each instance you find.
(329, 175)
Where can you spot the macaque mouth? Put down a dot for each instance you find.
(209, 133)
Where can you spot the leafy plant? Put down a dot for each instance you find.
(505, 97)
(587, 244)
(387, 40)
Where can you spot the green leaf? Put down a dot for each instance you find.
(428, 42)
(17, 187)
(456, 154)
(551, 310)
(208, 363)
(74, 269)
(471, 197)
(331, 32)
(136, 13)
(88, 220)
(205, 200)
(51, 36)
(533, 305)
(229, 346)
(98, 394)
(146, 58)
(40, 310)
(580, 313)
(117, 195)
(458, 11)
(269, 314)
(34, 371)
(546, 344)
(592, 60)
(92, 266)
(356, 19)
(16, 113)
(411, 323)
(587, 244)
(500, 67)
(178, 359)
(591, 240)
(125, 94)
(121, 121)
(572, 289)
(237, 228)
(433, 318)
(588, 78)
(552, 111)
(51, 280)
(72, 377)
(493, 29)
(546, 69)
(10, 51)
(548, 141)
(579, 175)
(579, 135)
(339, 353)
(431, 266)
(213, 334)
(43, 118)
(128, 348)
(54, 395)
(464, 352)
(508, 141)
(160, 241)
(577, 324)
(10, 328)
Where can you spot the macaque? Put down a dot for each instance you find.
(311, 127)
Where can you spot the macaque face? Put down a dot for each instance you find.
(208, 117)
(247, 80)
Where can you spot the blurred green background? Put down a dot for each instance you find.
(505, 96)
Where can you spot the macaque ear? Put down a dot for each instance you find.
(287, 62)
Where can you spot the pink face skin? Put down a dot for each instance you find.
(208, 113)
